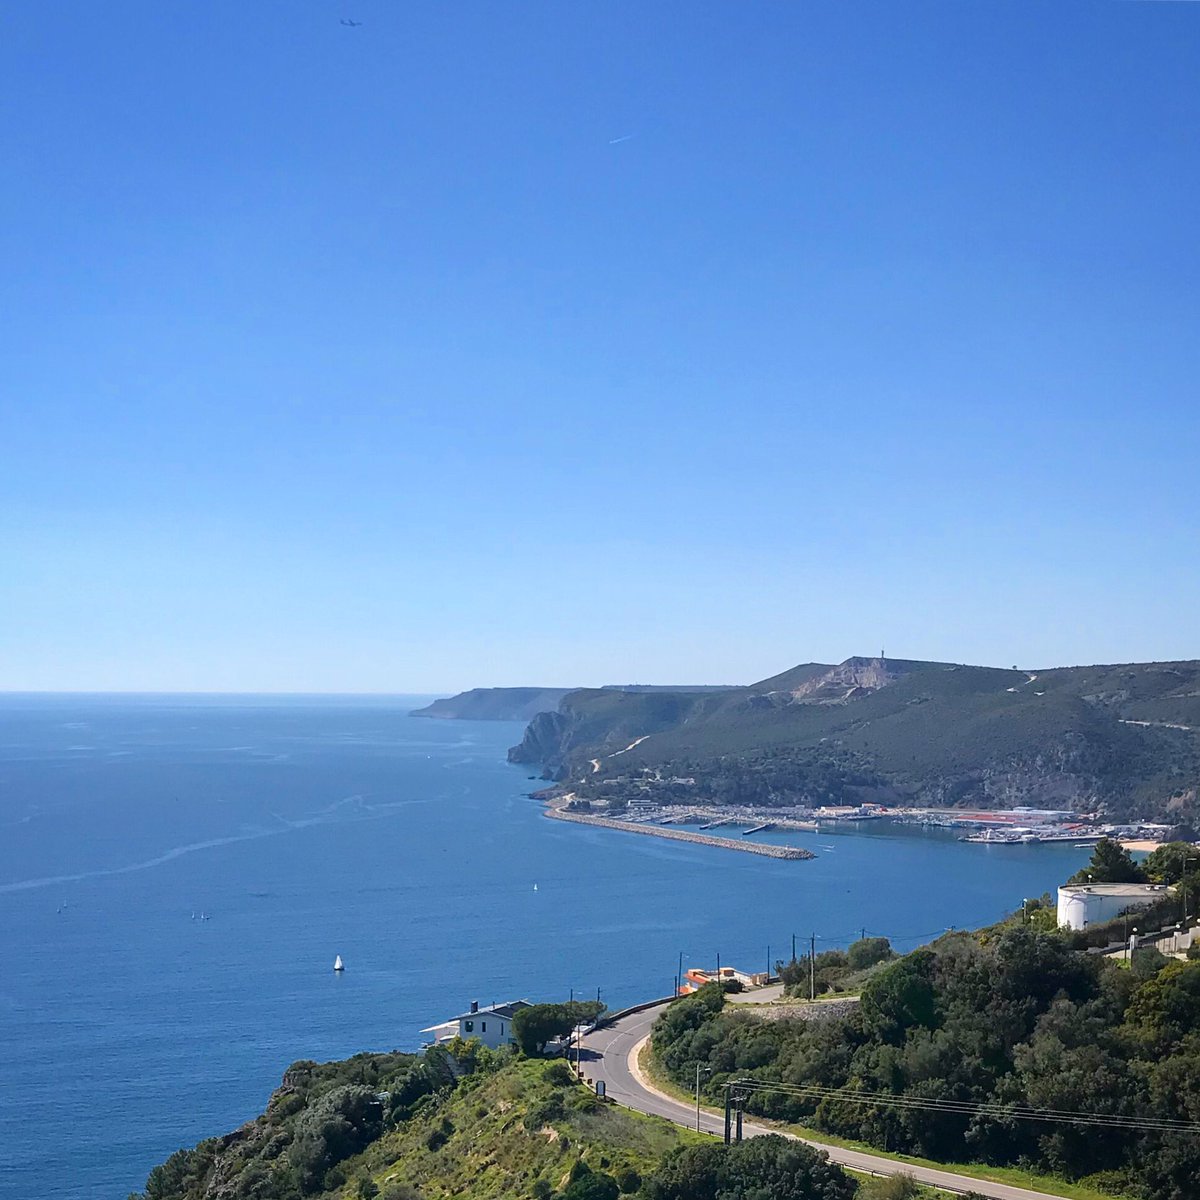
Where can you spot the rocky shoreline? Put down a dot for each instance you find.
(683, 835)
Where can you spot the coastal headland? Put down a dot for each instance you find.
(682, 835)
(896, 733)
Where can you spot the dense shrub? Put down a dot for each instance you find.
(768, 1167)
(1010, 1017)
(339, 1124)
(868, 951)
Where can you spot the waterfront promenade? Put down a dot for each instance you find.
(682, 835)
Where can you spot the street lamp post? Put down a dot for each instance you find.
(812, 969)
(700, 1071)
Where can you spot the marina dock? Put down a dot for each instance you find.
(682, 835)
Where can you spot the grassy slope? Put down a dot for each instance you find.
(1010, 1175)
(491, 1154)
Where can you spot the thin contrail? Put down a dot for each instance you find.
(614, 141)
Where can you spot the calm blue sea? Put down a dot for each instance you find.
(177, 874)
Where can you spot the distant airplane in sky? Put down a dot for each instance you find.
(352, 24)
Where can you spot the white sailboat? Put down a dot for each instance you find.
(338, 964)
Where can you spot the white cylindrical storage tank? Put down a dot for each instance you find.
(1072, 908)
(1082, 905)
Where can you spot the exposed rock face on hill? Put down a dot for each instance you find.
(495, 704)
(835, 685)
(1124, 739)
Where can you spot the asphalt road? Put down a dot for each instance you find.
(606, 1053)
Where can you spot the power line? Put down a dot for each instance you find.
(968, 1108)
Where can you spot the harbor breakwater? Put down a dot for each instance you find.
(682, 835)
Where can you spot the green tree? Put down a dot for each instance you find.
(763, 1168)
(1166, 1008)
(628, 1180)
(594, 1185)
(1111, 863)
(901, 996)
(583, 1012)
(1169, 863)
(1147, 961)
(868, 951)
(538, 1024)
(339, 1124)
(533, 1027)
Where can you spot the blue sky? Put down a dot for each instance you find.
(370, 359)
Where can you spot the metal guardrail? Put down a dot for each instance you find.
(609, 1018)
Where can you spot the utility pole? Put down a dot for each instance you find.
(679, 974)
(733, 1104)
(793, 947)
(718, 966)
(812, 968)
(862, 933)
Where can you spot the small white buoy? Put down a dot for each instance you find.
(337, 964)
(535, 887)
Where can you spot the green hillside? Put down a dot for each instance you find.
(469, 1123)
(1011, 1019)
(482, 1125)
(1121, 739)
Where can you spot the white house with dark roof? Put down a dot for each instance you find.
(491, 1025)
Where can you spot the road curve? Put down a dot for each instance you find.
(608, 1054)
